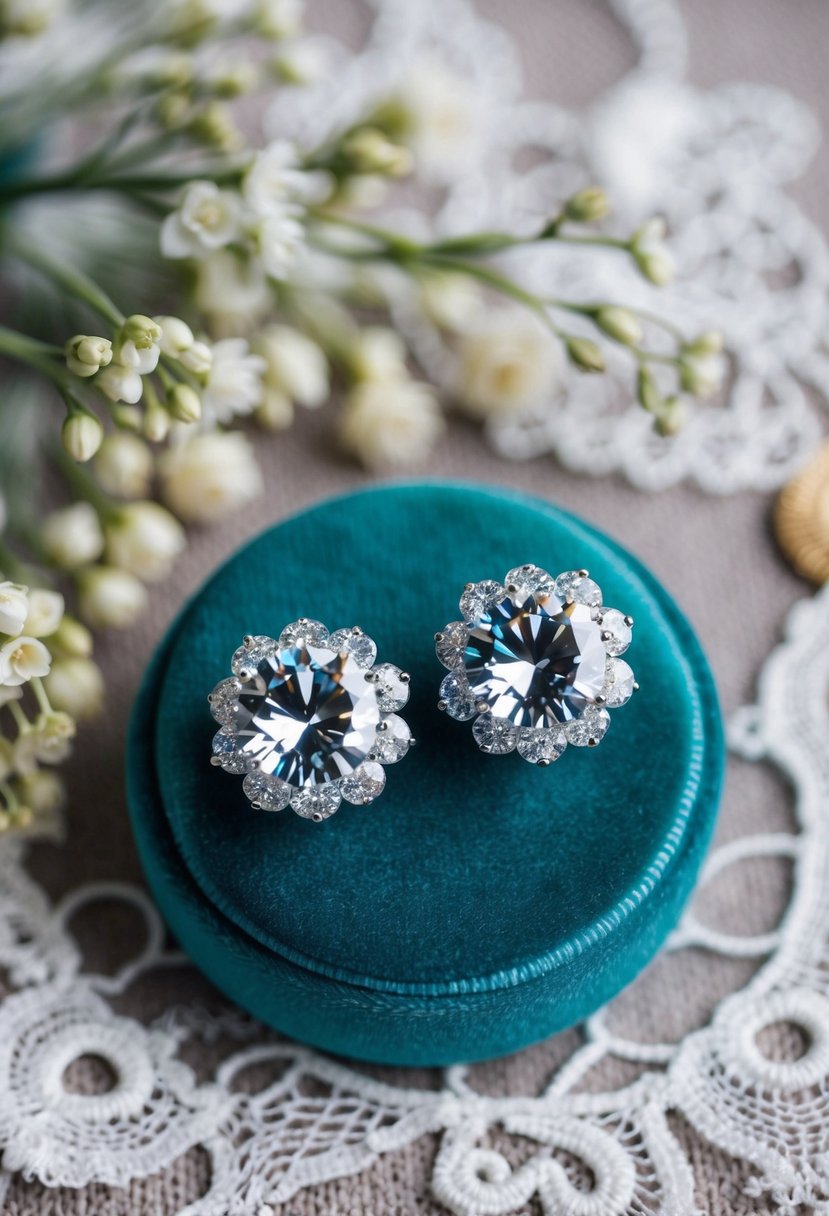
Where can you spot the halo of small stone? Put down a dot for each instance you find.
(498, 736)
(392, 740)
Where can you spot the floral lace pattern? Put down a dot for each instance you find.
(276, 1118)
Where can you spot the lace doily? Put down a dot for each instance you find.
(275, 1118)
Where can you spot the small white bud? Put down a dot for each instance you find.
(86, 354)
(144, 539)
(71, 639)
(656, 264)
(620, 324)
(184, 403)
(124, 465)
(82, 434)
(143, 331)
(176, 335)
(157, 422)
(198, 358)
(45, 612)
(110, 598)
(76, 686)
(120, 383)
(72, 536)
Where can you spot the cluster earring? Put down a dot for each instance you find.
(535, 662)
(309, 719)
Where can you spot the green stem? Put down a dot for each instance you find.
(10, 797)
(74, 281)
(42, 699)
(84, 486)
(492, 278)
(21, 721)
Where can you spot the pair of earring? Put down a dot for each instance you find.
(311, 719)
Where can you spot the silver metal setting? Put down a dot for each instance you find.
(309, 719)
(535, 663)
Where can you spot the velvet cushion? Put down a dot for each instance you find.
(482, 902)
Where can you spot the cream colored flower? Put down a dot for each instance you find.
(54, 732)
(176, 335)
(275, 185)
(232, 293)
(209, 475)
(451, 301)
(234, 385)
(442, 120)
(45, 612)
(198, 358)
(82, 433)
(295, 365)
(14, 608)
(207, 219)
(379, 355)
(76, 686)
(390, 424)
(72, 536)
(22, 659)
(120, 383)
(43, 791)
(144, 539)
(506, 363)
(280, 238)
(108, 597)
(71, 638)
(124, 465)
(85, 354)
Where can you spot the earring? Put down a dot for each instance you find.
(310, 720)
(535, 662)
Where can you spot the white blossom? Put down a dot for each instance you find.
(378, 354)
(108, 597)
(296, 366)
(232, 293)
(279, 238)
(45, 612)
(451, 301)
(209, 475)
(176, 335)
(276, 185)
(43, 792)
(23, 658)
(207, 219)
(14, 608)
(53, 732)
(76, 685)
(85, 354)
(390, 424)
(82, 433)
(198, 358)
(120, 383)
(506, 362)
(72, 536)
(144, 539)
(124, 465)
(138, 359)
(442, 115)
(234, 385)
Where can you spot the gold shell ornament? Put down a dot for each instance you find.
(801, 518)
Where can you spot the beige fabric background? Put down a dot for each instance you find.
(715, 556)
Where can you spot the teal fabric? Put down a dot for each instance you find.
(482, 903)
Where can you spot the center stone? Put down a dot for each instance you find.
(537, 662)
(312, 716)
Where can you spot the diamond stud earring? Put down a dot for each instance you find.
(535, 662)
(309, 719)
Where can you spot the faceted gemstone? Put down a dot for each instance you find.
(589, 729)
(392, 689)
(393, 740)
(313, 633)
(541, 745)
(577, 586)
(226, 749)
(478, 597)
(452, 643)
(309, 716)
(456, 697)
(495, 735)
(224, 699)
(365, 783)
(247, 658)
(535, 662)
(318, 802)
(532, 580)
(618, 687)
(358, 644)
(619, 633)
(267, 792)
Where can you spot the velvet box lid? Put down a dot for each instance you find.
(481, 903)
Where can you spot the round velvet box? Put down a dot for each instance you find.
(481, 903)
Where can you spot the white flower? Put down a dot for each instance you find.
(43, 792)
(233, 293)
(72, 536)
(45, 612)
(71, 638)
(124, 465)
(280, 238)
(209, 475)
(390, 424)
(120, 383)
(378, 355)
(275, 412)
(451, 301)
(507, 362)
(296, 366)
(145, 540)
(442, 118)
(76, 686)
(82, 433)
(138, 359)
(110, 598)
(22, 659)
(198, 358)
(85, 354)
(176, 335)
(275, 185)
(53, 732)
(207, 219)
(14, 608)
(234, 385)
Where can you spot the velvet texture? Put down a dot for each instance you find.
(481, 903)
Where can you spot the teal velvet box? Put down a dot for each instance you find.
(482, 903)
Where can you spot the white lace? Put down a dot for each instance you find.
(276, 1118)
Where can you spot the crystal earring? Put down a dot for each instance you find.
(309, 719)
(535, 662)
